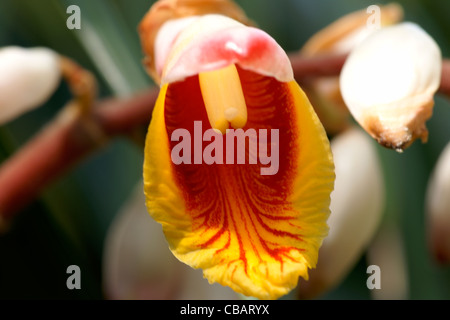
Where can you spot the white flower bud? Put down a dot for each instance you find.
(387, 252)
(388, 83)
(27, 79)
(357, 204)
(340, 37)
(438, 208)
(137, 263)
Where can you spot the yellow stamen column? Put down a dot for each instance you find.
(223, 97)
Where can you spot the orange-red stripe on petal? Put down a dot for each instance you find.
(255, 233)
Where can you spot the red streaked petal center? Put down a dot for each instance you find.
(234, 203)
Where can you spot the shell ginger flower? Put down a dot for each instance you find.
(252, 221)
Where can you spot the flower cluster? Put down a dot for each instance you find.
(256, 180)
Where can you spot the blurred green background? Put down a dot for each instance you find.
(68, 223)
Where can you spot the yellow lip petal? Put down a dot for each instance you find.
(256, 234)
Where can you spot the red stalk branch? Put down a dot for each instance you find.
(73, 135)
(65, 142)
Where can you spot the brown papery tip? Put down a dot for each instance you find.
(400, 127)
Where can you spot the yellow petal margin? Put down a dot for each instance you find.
(254, 233)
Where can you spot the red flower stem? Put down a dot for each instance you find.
(73, 135)
(313, 67)
(64, 143)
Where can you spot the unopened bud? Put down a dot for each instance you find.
(28, 77)
(438, 208)
(137, 263)
(357, 204)
(340, 37)
(388, 83)
(348, 31)
(387, 252)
